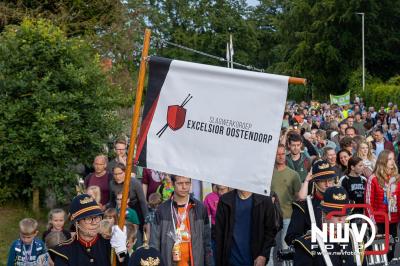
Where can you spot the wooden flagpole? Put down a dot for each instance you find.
(134, 128)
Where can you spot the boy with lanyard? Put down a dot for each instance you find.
(28, 250)
(181, 231)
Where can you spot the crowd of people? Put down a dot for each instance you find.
(356, 148)
(328, 156)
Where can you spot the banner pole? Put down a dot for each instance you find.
(134, 128)
(297, 81)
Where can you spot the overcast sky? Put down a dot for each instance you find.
(252, 2)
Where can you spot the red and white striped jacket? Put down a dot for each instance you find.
(374, 195)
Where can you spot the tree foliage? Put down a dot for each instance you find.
(379, 94)
(318, 40)
(205, 26)
(113, 28)
(321, 40)
(55, 106)
(75, 18)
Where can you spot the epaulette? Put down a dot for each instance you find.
(305, 243)
(67, 242)
(58, 253)
(300, 205)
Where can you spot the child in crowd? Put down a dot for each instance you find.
(212, 199)
(354, 183)
(131, 237)
(111, 215)
(131, 215)
(27, 249)
(53, 239)
(95, 193)
(106, 229)
(154, 201)
(56, 221)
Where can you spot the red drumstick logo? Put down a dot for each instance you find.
(175, 116)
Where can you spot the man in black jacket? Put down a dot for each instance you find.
(245, 229)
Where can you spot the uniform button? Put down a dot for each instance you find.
(88, 250)
(91, 260)
(344, 261)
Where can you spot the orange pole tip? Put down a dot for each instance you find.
(297, 81)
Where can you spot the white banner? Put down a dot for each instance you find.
(212, 123)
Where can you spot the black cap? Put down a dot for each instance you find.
(322, 170)
(83, 206)
(335, 199)
(146, 256)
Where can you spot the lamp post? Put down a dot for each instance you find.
(363, 50)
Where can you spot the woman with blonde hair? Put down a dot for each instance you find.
(383, 194)
(364, 151)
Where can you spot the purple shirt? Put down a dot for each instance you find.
(211, 203)
(103, 182)
(152, 179)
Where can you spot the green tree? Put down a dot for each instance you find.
(264, 18)
(75, 18)
(113, 28)
(317, 40)
(205, 26)
(321, 40)
(56, 107)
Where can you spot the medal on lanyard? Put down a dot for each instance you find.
(176, 252)
(27, 255)
(176, 249)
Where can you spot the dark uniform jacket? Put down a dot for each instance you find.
(300, 222)
(340, 254)
(74, 253)
(299, 235)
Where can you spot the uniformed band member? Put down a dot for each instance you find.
(308, 253)
(88, 247)
(146, 256)
(323, 177)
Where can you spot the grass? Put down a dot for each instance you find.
(10, 215)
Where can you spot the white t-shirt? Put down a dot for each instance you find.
(379, 148)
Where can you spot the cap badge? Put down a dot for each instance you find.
(339, 196)
(86, 200)
(150, 262)
(323, 166)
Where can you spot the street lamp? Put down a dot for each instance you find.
(363, 50)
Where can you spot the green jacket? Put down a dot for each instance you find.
(303, 168)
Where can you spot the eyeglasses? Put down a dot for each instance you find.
(92, 219)
(119, 199)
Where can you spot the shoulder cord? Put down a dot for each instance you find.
(319, 239)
